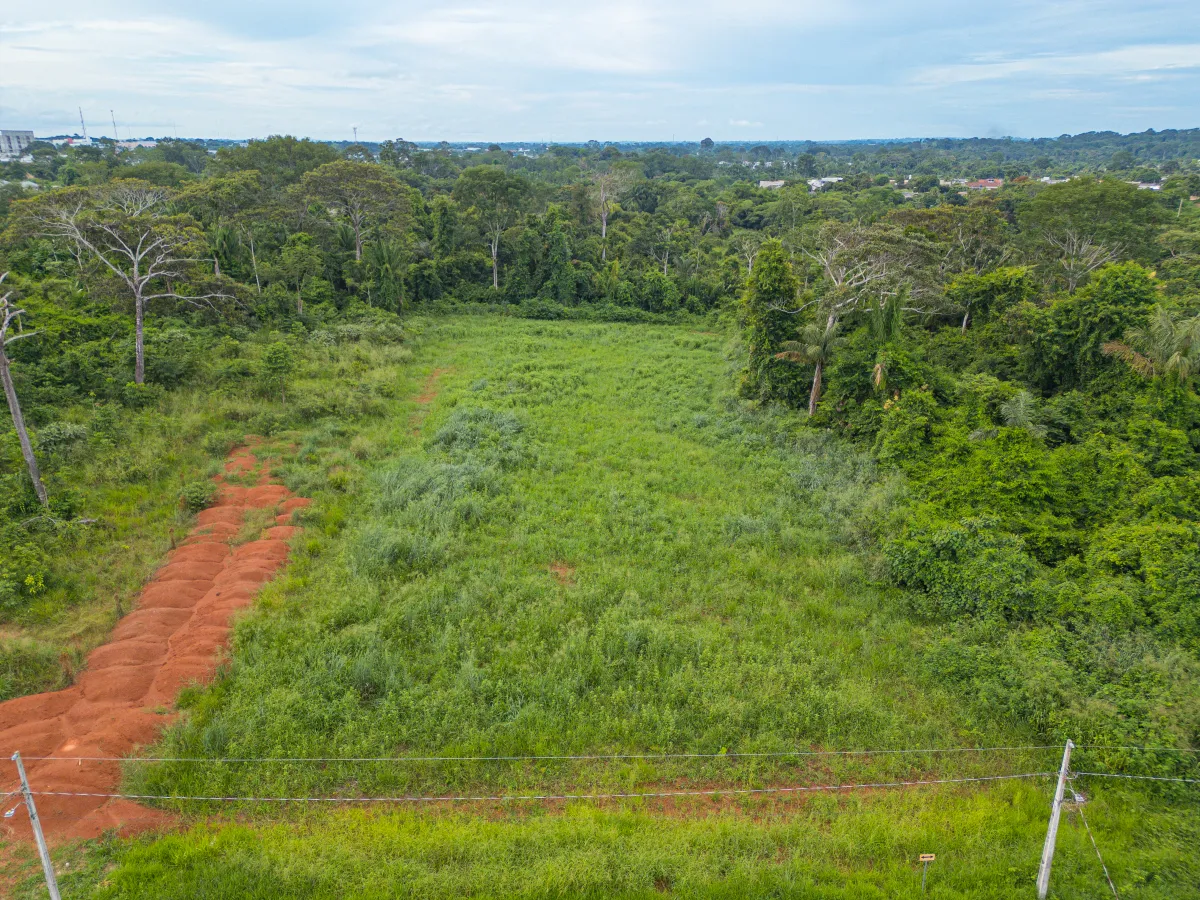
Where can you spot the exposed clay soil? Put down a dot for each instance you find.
(429, 390)
(173, 638)
(563, 573)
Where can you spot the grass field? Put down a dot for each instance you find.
(571, 539)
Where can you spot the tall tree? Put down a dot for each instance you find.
(770, 293)
(498, 199)
(815, 347)
(363, 195)
(1167, 347)
(607, 189)
(9, 313)
(281, 160)
(299, 261)
(127, 228)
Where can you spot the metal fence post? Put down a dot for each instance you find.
(1043, 879)
(43, 850)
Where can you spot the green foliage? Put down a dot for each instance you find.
(197, 495)
(769, 295)
(1066, 338)
(278, 364)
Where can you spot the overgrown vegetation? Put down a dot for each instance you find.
(895, 462)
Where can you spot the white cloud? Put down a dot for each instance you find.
(1133, 61)
(638, 69)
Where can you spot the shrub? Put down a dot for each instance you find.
(378, 551)
(278, 363)
(141, 396)
(488, 434)
(197, 495)
(60, 437)
(964, 568)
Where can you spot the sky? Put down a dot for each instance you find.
(557, 70)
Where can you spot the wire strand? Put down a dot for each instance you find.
(592, 757)
(1140, 777)
(1141, 749)
(505, 798)
(1079, 809)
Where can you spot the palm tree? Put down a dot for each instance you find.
(386, 262)
(1020, 411)
(1165, 348)
(814, 348)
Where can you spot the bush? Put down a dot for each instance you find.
(141, 396)
(60, 437)
(964, 568)
(379, 551)
(197, 495)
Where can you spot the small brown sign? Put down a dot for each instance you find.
(928, 857)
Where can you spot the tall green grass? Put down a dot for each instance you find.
(584, 544)
(987, 843)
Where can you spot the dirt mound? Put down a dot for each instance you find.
(173, 638)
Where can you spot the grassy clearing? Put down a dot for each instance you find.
(581, 543)
(987, 843)
(566, 538)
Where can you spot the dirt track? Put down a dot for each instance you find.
(124, 698)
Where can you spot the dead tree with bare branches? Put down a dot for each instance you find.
(1080, 255)
(129, 231)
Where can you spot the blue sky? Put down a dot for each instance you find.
(541, 70)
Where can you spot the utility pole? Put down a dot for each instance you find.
(43, 850)
(116, 137)
(81, 123)
(1043, 879)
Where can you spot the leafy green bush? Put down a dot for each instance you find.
(60, 437)
(965, 568)
(197, 495)
(378, 551)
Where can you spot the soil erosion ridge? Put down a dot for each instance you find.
(171, 639)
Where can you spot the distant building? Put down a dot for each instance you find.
(1146, 185)
(72, 141)
(1046, 179)
(771, 185)
(986, 184)
(133, 145)
(819, 184)
(13, 143)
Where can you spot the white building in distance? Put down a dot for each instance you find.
(13, 143)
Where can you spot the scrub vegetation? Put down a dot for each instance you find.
(617, 453)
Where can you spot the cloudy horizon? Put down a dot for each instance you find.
(531, 70)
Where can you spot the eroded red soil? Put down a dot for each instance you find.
(173, 638)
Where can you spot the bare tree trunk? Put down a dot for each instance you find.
(666, 256)
(254, 261)
(139, 369)
(815, 396)
(299, 302)
(216, 266)
(966, 319)
(14, 407)
(495, 263)
(603, 234)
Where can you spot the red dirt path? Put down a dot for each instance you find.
(172, 639)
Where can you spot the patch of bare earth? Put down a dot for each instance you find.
(173, 638)
(429, 392)
(564, 574)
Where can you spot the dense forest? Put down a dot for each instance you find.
(1016, 361)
